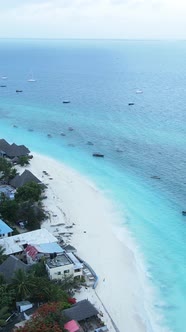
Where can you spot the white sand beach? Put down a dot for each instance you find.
(73, 199)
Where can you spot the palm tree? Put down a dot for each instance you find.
(4, 314)
(22, 284)
(2, 254)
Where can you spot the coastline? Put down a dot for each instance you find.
(73, 199)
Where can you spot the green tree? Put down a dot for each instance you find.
(38, 269)
(33, 213)
(6, 302)
(2, 255)
(48, 318)
(31, 191)
(8, 209)
(4, 314)
(6, 170)
(23, 160)
(22, 285)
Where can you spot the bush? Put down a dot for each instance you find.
(23, 160)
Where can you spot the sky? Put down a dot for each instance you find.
(112, 19)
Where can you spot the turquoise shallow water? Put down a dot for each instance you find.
(101, 78)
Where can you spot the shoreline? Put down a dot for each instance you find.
(73, 200)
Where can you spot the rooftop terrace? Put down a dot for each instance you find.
(59, 260)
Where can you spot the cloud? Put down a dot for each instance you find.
(93, 18)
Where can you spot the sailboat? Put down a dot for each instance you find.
(31, 79)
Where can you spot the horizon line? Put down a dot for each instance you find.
(106, 39)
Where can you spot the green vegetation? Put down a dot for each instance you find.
(31, 191)
(26, 206)
(2, 256)
(35, 287)
(23, 160)
(48, 318)
(7, 172)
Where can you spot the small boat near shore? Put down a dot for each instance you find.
(99, 155)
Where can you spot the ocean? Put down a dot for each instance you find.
(144, 166)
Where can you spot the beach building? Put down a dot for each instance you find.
(23, 305)
(34, 252)
(63, 265)
(12, 150)
(5, 230)
(10, 266)
(16, 244)
(69, 248)
(7, 190)
(80, 311)
(73, 326)
(24, 178)
(4, 146)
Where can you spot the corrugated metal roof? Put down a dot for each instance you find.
(4, 228)
(13, 244)
(49, 248)
(72, 326)
(31, 251)
(76, 262)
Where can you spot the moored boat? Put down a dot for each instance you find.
(98, 155)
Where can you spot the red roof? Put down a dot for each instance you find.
(31, 251)
(72, 326)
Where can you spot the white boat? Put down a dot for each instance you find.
(4, 77)
(139, 91)
(31, 79)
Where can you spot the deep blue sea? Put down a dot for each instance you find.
(139, 142)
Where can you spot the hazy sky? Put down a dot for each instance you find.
(152, 19)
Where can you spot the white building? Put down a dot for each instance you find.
(15, 244)
(63, 265)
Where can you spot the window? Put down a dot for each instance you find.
(59, 273)
(66, 271)
(77, 270)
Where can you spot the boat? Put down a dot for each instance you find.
(100, 155)
(19, 90)
(139, 91)
(31, 79)
(4, 77)
(130, 104)
(3, 86)
(184, 213)
(66, 101)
